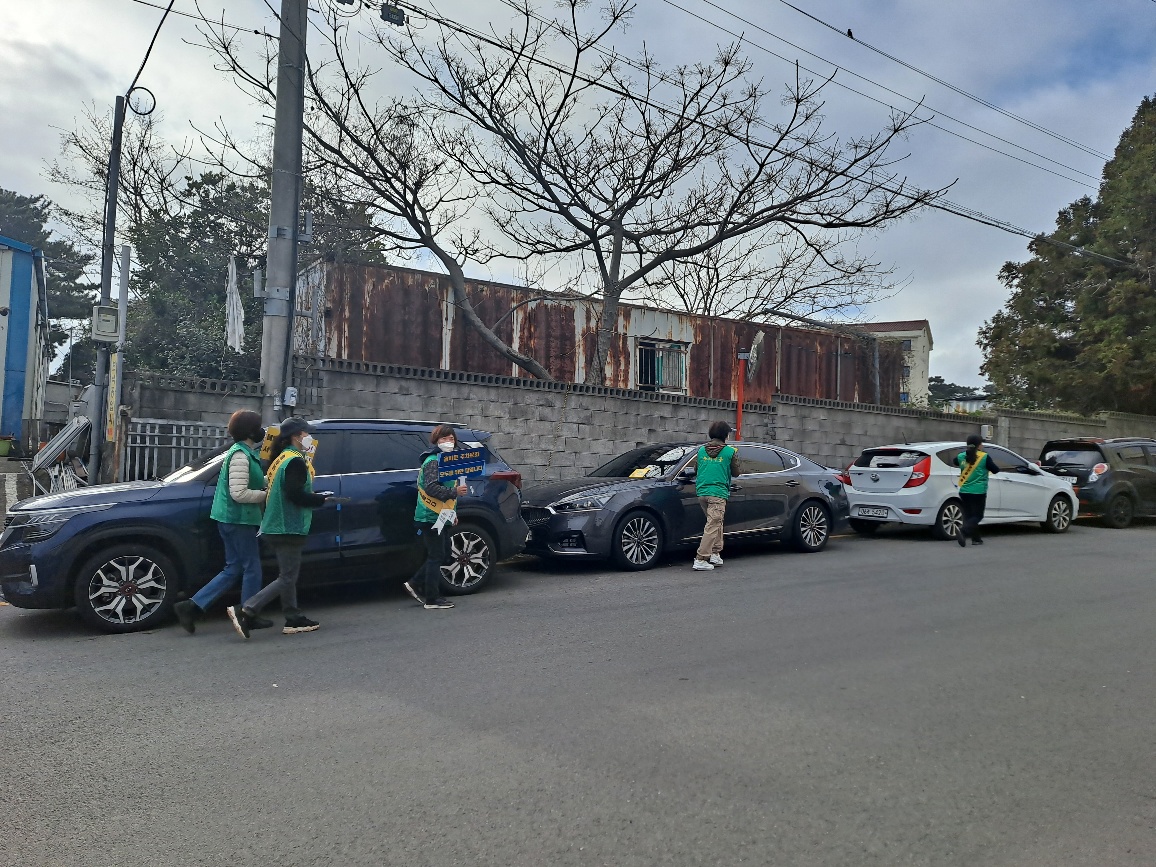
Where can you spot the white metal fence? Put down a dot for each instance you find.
(155, 447)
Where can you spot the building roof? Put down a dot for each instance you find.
(15, 245)
(900, 326)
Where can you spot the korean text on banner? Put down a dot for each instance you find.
(463, 463)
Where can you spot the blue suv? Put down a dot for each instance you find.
(123, 554)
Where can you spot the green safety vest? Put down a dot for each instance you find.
(713, 475)
(282, 516)
(226, 510)
(428, 506)
(973, 478)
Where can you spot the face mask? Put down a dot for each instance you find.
(308, 444)
(446, 446)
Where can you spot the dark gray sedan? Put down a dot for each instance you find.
(643, 503)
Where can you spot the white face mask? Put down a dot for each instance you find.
(308, 444)
(446, 445)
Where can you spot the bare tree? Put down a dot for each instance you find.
(389, 160)
(583, 149)
(768, 273)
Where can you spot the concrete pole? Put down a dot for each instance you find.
(285, 203)
(108, 251)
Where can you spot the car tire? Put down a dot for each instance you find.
(472, 555)
(811, 529)
(865, 528)
(637, 542)
(1059, 515)
(949, 521)
(126, 588)
(1119, 512)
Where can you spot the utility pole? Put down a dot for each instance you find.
(284, 204)
(107, 253)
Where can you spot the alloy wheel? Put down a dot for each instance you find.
(1060, 514)
(813, 527)
(127, 589)
(470, 560)
(639, 540)
(951, 520)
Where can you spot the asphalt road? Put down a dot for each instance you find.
(890, 701)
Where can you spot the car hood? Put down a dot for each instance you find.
(128, 492)
(551, 492)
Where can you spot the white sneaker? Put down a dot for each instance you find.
(702, 565)
(715, 560)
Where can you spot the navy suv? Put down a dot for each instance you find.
(123, 554)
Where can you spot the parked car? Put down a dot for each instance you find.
(643, 503)
(123, 554)
(918, 484)
(1115, 478)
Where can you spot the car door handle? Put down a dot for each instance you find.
(736, 487)
(792, 483)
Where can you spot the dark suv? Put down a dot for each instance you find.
(123, 554)
(1114, 478)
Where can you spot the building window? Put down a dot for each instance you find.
(906, 372)
(906, 345)
(903, 397)
(662, 366)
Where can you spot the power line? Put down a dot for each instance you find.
(204, 20)
(883, 87)
(149, 50)
(940, 81)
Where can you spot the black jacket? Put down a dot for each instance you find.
(296, 474)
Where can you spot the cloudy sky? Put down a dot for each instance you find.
(1076, 68)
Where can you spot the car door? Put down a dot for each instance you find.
(1022, 490)
(1141, 461)
(323, 547)
(760, 494)
(381, 485)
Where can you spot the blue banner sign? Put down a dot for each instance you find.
(461, 463)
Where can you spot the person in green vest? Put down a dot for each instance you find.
(717, 464)
(974, 468)
(432, 498)
(237, 506)
(288, 516)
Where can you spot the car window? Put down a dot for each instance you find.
(948, 456)
(754, 459)
(1151, 451)
(379, 451)
(789, 461)
(1005, 460)
(1132, 455)
(1068, 455)
(646, 462)
(889, 458)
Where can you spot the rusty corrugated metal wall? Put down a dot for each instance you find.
(401, 316)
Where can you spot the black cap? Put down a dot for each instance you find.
(292, 426)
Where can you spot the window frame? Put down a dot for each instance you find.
(662, 350)
(351, 467)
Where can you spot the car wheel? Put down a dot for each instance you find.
(126, 588)
(637, 541)
(812, 528)
(472, 556)
(865, 528)
(1059, 515)
(1120, 512)
(949, 521)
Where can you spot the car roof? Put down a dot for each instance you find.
(924, 446)
(391, 421)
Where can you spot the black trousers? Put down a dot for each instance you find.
(428, 579)
(973, 507)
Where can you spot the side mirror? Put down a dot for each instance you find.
(687, 474)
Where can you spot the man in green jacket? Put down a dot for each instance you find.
(717, 465)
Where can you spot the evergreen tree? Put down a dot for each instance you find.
(1079, 332)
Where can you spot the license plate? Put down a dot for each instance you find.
(868, 512)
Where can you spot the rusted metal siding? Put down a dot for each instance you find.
(402, 316)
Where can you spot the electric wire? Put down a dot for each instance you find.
(149, 50)
(979, 99)
(202, 19)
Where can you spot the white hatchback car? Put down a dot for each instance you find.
(918, 484)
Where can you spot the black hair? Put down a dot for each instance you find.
(973, 443)
(245, 424)
(720, 430)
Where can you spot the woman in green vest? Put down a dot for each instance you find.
(716, 466)
(432, 498)
(288, 515)
(237, 503)
(974, 468)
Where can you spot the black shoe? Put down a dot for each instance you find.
(961, 539)
(260, 623)
(409, 589)
(186, 611)
(977, 541)
(438, 603)
(299, 623)
(242, 622)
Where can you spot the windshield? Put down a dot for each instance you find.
(1071, 456)
(648, 462)
(202, 463)
(889, 458)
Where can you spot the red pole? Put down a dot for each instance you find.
(742, 386)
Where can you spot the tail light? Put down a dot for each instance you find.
(511, 476)
(845, 476)
(1097, 471)
(919, 473)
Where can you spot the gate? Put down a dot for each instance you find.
(155, 447)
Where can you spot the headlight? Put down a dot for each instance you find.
(39, 524)
(583, 502)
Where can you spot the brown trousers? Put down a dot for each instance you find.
(712, 534)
